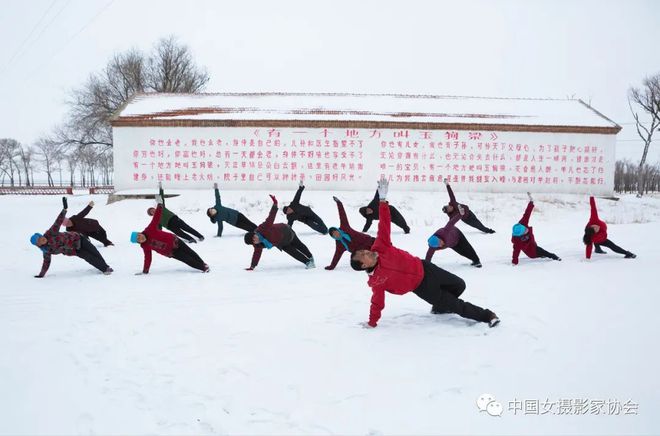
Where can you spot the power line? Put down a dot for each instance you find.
(71, 38)
(20, 47)
(52, 20)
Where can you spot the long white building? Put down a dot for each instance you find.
(346, 141)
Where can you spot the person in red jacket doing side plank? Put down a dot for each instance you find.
(522, 238)
(165, 243)
(399, 272)
(595, 233)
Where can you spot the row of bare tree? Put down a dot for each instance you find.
(626, 177)
(81, 146)
(60, 164)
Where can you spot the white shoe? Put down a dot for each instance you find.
(310, 264)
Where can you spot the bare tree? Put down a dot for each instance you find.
(25, 153)
(648, 99)
(172, 68)
(8, 165)
(50, 151)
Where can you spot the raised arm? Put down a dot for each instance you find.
(58, 222)
(452, 198)
(273, 211)
(155, 220)
(594, 211)
(453, 220)
(218, 201)
(83, 213)
(384, 224)
(528, 213)
(161, 193)
(343, 219)
(588, 250)
(296, 198)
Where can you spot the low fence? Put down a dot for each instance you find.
(52, 190)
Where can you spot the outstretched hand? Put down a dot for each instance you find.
(461, 210)
(530, 197)
(383, 186)
(215, 185)
(301, 183)
(445, 181)
(272, 197)
(336, 199)
(91, 203)
(159, 199)
(65, 203)
(249, 269)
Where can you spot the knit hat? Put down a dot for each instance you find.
(134, 236)
(434, 241)
(34, 238)
(518, 230)
(248, 238)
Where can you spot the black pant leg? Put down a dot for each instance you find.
(472, 221)
(441, 289)
(175, 226)
(242, 222)
(615, 248)
(298, 250)
(101, 236)
(186, 255)
(540, 252)
(316, 223)
(465, 249)
(91, 255)
(186, 228)
(398, 219)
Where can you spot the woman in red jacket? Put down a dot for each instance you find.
(522, 238)
(165, 243)
(595, 233)
(399, 272)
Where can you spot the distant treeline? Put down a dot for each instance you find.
(626, 180)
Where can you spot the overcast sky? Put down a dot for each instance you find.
(593, 50)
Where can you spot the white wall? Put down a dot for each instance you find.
(352, 159)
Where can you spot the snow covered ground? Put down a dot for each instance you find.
(279, 350)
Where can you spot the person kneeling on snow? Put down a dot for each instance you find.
(165, 243)
(219, 213)
(596, 233)
(67, 243)
(399, 272)
(450, 237)
(269, 235)
(522, 238)
(346, 239)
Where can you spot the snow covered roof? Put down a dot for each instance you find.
(363, 110)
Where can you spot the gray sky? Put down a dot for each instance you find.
(593, 50)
